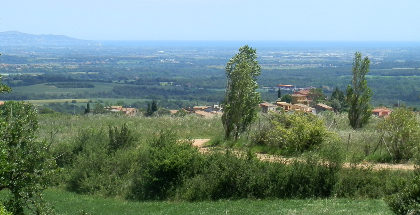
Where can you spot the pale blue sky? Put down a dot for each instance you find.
(293, 20)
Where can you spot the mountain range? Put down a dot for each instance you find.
(19, 39)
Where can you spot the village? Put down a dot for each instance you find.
(301, 101)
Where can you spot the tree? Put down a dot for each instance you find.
(241, 99)
(26, 165)
(279, 94)
(286, 98)
(358, 93)
(154, 106)
(151, 108)
(316, 95)
(98, 109)
(338, 100)
(87, 109)
(119, 138)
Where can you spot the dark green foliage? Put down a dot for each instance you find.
(358, 93)
(226, 176)
(338, 100)
(407, 201)
(286, 98)
(241, 99)
(163, 167)
(26, 165)
(119, 138)
(279, 94)
(98, 109)
(366, 183)
(45, 110)
(87, 109)
(154, 106)
(151, 108)
(92, 169)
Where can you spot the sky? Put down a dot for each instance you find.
(226, 20)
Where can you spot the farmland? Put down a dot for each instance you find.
(192, 73)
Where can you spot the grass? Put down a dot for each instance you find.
(65, 127)
(70, 203)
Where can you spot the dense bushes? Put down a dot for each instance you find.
(401, 132)
(293, 133)
(94, 163)
(229, 176)
(366, 183)
(163, 167)
(407, 201)
(166, 167)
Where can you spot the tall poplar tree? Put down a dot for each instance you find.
(358, 93)
(241, 99)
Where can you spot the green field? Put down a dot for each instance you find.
(52, 90)
(71, 203)
(46, 101)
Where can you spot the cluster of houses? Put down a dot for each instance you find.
(301, 101)
(207, 111)
(121, 109)
(203, 111)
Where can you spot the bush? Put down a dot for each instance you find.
(119, 138)
(3, 210)
(293, 133)
(401, 132)
(163, 167)
(92, 169)
(227, 176)
(407, 201)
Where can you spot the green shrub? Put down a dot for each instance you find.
(92, 169)
(401, 132)
(408, 200)
(227, 176)
(163, 166)
(119, 138)
(293, 133)
(367, 183)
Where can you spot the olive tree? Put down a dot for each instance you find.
(358, 93)
(241, 99)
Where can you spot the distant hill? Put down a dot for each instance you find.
(19, 39)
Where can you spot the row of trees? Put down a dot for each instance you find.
(241, 99)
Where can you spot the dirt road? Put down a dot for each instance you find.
(201, 145)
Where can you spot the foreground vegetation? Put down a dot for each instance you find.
(68, 203)
(141, 158)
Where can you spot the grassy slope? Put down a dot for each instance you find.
(66, 127)
(70, 203)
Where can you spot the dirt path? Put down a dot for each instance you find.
(201, 145)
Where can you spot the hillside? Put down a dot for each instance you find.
(19, 39)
